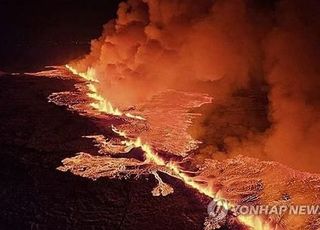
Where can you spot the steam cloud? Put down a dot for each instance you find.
(159, 44)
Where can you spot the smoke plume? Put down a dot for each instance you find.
(234, 45)
(293, 72)
(155, 45)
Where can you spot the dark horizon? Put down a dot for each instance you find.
(176, 114)
(36, 33)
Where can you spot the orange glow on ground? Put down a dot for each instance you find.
(253, 222)
(100, 103)
(104, 106)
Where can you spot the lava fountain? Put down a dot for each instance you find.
(169, 167)
(136, 83)
(239, 180)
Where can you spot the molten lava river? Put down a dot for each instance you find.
(152, 138)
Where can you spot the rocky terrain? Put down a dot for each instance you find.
(36, 136)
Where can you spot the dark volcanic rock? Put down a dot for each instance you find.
(35, 136)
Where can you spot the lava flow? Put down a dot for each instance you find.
(171, 168)
(174, 170)
(100, 104)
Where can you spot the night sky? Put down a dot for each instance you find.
(37, 33)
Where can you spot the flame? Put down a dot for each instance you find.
(89, 75)
(150, 155)
(119, 132)
(102, 105)
(253, 222)
(134, 116)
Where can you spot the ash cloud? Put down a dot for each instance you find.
(293, 73)
(271, 47)
(155, 45)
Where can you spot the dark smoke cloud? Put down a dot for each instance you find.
(293, 54)
(271, 47)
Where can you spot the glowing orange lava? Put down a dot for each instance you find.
(172, 169)
(253, 222)
(101, 104)
(89, 75)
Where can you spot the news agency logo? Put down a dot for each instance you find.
(277, 209)
(218, 212)
(219, 209)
